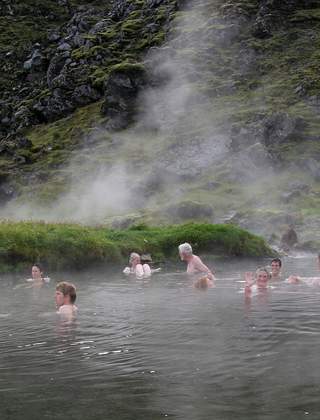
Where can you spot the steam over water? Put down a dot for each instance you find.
(156, 349)
(175, 138)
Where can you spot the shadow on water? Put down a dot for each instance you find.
(160, 348)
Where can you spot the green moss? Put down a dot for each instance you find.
(98, 77)
(132, 25)
(109, 34)
(127, 66)
(305, 14)
(63, 246)
(53, 145)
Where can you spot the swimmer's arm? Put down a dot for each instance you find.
(249, 280)
(203, 268)
(293, 279)
(155, 270)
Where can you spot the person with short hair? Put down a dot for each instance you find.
(195, 265)
(276, 265)
(65, 298)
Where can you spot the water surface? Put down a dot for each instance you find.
(159, 348)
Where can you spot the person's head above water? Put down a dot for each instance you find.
(134, 258)
(65, 294)
(262, 277)
(185, 251)
(276, 267)
(203, 283)
(37, 272)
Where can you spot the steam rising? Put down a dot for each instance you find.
(177, 137)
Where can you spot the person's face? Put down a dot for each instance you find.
(135, 261)
(275, 268)
(36, 273)
(59, 298)
(262, 279)
(182, 256)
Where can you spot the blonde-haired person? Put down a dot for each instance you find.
(65, 298)
(203, 283)
(195, 265)
(135, 267)
(256, 281)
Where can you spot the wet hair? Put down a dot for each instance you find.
(67, 289)
(185, 249)
(133, 256)
(277, 260)
(201, 283)
(263, 269)
(39, 266)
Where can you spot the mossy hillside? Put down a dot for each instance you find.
(30, 23)
(52, 148)
(125, 41)
(120, 46)
(66, 246)
(236, 95)
(127, 37)
(279, 68)
(269, 76)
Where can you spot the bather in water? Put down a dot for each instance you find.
(195, 265)
(37, 276)
(135, 267)
(65, 298)
(203, 283)
(258, 281)
(309, 281)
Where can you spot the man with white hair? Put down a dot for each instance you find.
(195, 265)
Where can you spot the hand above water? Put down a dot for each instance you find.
(249, 279)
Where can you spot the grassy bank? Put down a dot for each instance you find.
(72, 246)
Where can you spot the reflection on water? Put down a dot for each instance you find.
(156, 349)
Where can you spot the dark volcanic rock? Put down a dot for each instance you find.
(121, 9)
(312, 166)
(289, 239)
(35, 62)
(56, 65)
(280, 127)
(190, 210)
(273, 13)
(121, 91)
(52, 107)
(7, 192)
(84, 94)
(290, 196)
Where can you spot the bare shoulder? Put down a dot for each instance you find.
(67, 310)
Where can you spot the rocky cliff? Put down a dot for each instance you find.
(162, 110)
